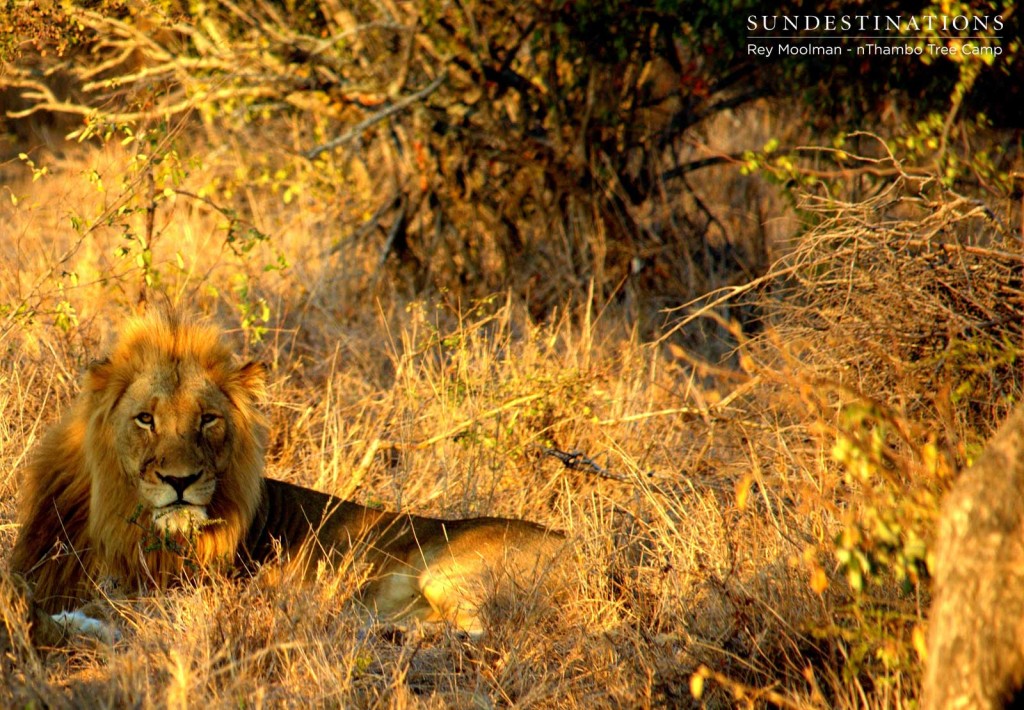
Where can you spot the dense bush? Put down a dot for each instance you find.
(475, 147)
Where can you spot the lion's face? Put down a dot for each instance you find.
(175, 441)
(174, 434)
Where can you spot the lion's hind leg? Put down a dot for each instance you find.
(456, 593)
(428, 587)
(487, 567)
(397, 597)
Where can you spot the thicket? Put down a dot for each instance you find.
(543, 147)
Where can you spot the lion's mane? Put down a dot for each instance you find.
(81, 519)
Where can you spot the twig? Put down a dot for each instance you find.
(376, 118)
(392, 202)
(715, 298)
(360, 473)
(641, 416)
(740, 691)
(396, 229)
(977, 251)
(576, 460)
(459, 428)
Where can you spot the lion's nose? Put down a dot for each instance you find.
(180, 484)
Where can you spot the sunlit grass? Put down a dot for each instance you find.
(436, 406)
(703, 500)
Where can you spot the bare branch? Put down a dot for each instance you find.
(578, 461)
(379, 116)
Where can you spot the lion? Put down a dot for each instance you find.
(156, 475)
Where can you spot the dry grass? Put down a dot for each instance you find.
(704, 506)
(439, 407)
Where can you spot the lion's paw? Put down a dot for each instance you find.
(81, 624)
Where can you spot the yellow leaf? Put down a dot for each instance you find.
(819, 580)
(743, 491)
(697, 685)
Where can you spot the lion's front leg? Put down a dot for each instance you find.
(53, 630)
(79, 623)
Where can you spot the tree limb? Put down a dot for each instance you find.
(379, 116)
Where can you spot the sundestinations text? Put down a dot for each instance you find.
(874, 23)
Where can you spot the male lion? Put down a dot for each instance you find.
(156, 473)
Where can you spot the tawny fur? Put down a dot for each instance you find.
(169, 407)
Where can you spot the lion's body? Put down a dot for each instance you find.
(156, 473)
(421, 568)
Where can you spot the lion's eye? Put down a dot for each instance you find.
(144, 420)
(208, 419)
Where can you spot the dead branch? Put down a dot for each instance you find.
(578, 461)
(379, 116)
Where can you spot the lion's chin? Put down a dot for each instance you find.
(177, 519)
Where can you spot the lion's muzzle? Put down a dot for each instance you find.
(178, 501)
(179, 518)
(187, 509)
(180, 484)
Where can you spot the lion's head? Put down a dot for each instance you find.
(162, 451)
(174, 443)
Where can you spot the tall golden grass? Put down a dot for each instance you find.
(738, 527)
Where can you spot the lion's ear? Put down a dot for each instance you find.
(97, 377)
(251, 378)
